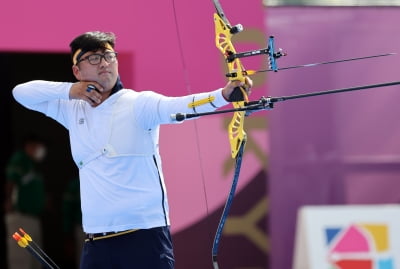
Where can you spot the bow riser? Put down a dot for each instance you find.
(236, 130)
(223, 37)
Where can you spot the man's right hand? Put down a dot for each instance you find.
(81, 90)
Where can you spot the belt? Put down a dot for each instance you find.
(98, 236)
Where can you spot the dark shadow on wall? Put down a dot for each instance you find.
(16, 121)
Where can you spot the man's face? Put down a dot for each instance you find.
(105, 72)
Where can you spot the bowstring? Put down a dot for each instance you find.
(189, 90)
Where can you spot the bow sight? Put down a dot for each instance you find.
(270, 51)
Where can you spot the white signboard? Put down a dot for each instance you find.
(348, 237)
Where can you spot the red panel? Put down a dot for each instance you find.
(354, 264)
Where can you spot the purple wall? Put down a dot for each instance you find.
(335, 149)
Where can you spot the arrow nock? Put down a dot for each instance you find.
(22, 242)
(25, 235)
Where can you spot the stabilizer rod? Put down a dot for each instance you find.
(265, 103)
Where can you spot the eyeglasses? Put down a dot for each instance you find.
(94, 59)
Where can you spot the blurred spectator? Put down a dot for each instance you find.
(24, 199)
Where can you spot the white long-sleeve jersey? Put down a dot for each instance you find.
(115, 146)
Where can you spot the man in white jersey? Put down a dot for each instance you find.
(114, 142)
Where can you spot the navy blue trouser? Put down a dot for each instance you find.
(142, 249)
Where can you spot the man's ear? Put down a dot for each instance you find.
(76, 72)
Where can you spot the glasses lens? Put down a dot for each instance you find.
(110, 56)
(94, 58)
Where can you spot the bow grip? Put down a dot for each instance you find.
(238, 94)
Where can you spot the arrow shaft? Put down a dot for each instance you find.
(329, 62)
(39, 257)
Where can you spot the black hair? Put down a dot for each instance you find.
(91, 41)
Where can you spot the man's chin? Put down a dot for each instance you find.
(107, 85)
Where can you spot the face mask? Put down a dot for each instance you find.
(39, 154)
